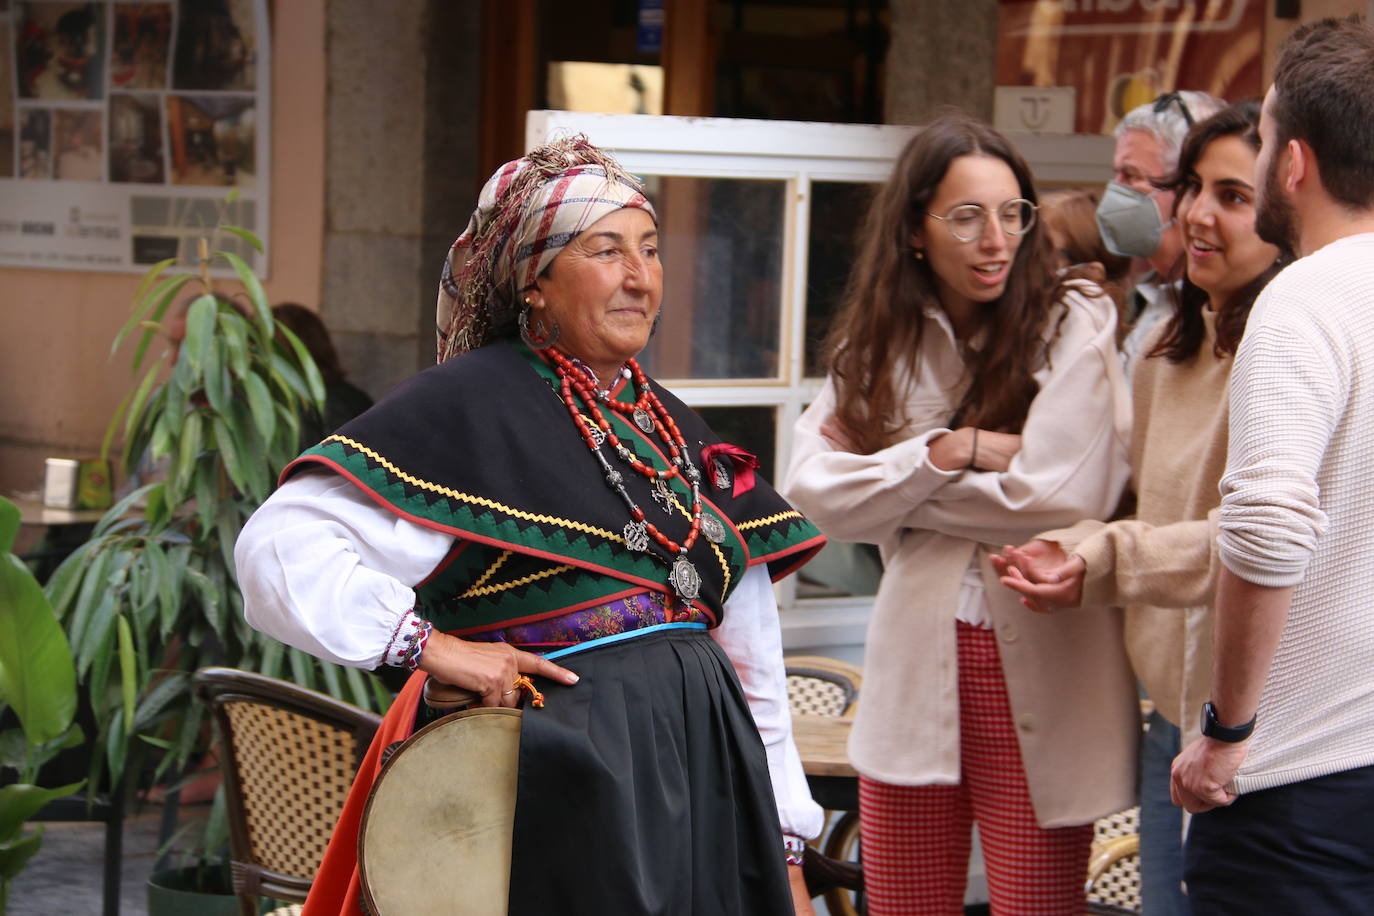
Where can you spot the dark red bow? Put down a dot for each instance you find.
(742, 462)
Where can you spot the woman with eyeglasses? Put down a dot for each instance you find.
(974, 393)
(1160, 564)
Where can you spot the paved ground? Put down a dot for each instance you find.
(66, 876)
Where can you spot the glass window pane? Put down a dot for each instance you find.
(837, 212)
(751, 428)
(721, 243)
(841, 570)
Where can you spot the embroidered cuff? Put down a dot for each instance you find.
(408, 641)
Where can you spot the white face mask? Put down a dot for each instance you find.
(1129, 221)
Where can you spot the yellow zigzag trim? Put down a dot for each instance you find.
(479, 500)
(475, 592)
(772, 519)
(490, 571)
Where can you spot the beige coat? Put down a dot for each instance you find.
(1072, 695)
(1161, 565)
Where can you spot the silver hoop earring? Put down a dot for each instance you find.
(540, 337)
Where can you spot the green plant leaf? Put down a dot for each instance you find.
(134, 403)
(200, 328)
(247, 236)
(128, 668)
(256, 294)
(142, 302)
(65, 580)
(189, 446)
(172, 688)
(15, 854)
(119, 510)
(286, 378)
(260, 402)
(216, 377)
(94, 582)
(19, 802)
(228, 451)
(272, 651)
(98, 637)
(36, 675)
(307, 364)
(9, 524)
(162, 297)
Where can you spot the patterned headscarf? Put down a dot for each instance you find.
(527, 212)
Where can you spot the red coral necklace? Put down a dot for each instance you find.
(649, 415)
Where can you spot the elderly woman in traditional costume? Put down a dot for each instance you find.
(535, 496)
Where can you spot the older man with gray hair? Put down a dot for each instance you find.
(1136, 218)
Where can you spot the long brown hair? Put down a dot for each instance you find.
(877, 334)
(1183, 335)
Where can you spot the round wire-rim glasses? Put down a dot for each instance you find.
(968, 222)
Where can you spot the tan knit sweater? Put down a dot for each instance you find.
(1161, 565)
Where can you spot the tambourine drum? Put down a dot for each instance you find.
(436, 833)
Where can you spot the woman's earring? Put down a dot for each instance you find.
(918, 254)
(540, 337)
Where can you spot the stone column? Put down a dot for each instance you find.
(401, 139)
(940, 54)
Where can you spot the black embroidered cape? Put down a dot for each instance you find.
(483, 447)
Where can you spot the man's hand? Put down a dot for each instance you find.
(487, 668)
(1046, 577)
(1203, 771)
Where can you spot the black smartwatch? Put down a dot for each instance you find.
(1214, 729)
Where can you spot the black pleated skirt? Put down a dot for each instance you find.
(644, 789)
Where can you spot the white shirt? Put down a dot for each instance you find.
(325, 569)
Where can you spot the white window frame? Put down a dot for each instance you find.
(797, 153)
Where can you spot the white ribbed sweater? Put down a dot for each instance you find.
(1298, 508)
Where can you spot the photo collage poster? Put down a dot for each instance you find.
(125, 126)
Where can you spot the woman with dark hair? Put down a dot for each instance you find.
(1161, 564)
(342, 399)
(973, 394)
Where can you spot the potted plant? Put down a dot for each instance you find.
(37, 682)
(152, 595)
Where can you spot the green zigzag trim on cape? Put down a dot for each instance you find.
(543, 592)
(766, 540)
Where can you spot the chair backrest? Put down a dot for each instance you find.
(288, 756)
(1113, 885)
(820, 686)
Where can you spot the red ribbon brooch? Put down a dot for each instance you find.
(729, 467)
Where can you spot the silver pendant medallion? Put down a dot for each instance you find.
(644, 420)
(720, 473)
(637, 537)
(685, 580)
(712, 528)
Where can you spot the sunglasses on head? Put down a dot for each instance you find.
(1163, 102)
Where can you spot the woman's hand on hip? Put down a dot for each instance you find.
(979, 449)
(486, 668)
(1046, 577)
(801, 900)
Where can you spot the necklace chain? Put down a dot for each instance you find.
(650, 416)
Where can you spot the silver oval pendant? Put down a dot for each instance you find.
(712, 528)
(644, 420)
(636, 536)
(685, 580)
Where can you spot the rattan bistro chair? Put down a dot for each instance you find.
(288, 756)
(820, 686)
(1113, 885)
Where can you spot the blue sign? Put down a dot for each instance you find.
(649, 39)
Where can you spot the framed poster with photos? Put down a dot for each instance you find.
(125, 125)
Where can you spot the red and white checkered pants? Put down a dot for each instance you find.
(916, 839)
